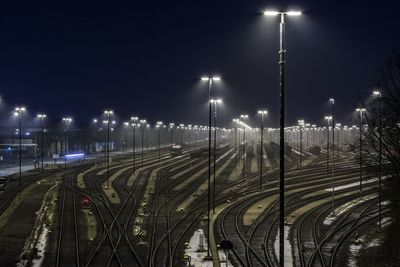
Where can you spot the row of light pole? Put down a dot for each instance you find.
(361, 111)
(18, 111)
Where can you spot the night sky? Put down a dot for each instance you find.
(146, 58)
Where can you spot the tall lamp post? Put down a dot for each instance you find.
(65, 120)
(182, 127)
(108, 114)
(360, 112)
(126, 124)
(332, 101)
(189, 128)
(379, 95)
(215, 102)
(158, 126)
(171, 128)
(301, 125)
(328, 120)
(236, 152)
(142, 125)
(282, 61)
(18, 112)
(210, 81)
(42, 117)
(244, 117)
(262, 113)
(134, 120)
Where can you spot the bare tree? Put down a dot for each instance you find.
(387, 81)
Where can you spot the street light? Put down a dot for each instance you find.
(210, 83)
(332, 101)
(379, 95)
(244, 117)
(236, 121)
(158, 126)
(282, 53)
(189, 128)
(126, 124)
(328, 119)
(18, 112)
(301, 125)
(182, 127)
(134, 119)
(108, 113)
(65, 120)
(215, 102)
(42, 117)
(171, 127)
(142, 125)
(361, 111)
(262, 113)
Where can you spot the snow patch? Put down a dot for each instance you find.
(288, 257)
(354, 251)
(41, 246)
(342, 209)
(197, 255)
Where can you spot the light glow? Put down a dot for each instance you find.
(377, 93)
(271, 13)
(75, 155)
(293, 13)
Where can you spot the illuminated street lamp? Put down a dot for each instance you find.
(313, 127)
(236, 121)
(244, 117)
(134, 119)
(126, 124)
(189, 128)
(215, 102)
(18, 112)
(42, 117)
(379, 95)
(158, 126)
(332, 101)
(328, 120)
(262, 113)
(108, 113)
(171, 127)
(301, 125)
(142, 125)
(66, 121)
(360, 111)
(210, 81)
(282, 60)
(182, 128)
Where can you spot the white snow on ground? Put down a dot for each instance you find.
(342, 209)
(386, 221)
(355, 184)
(374, 243)
(197, 257)
(297, 152)
(288, 248)
(354, 250)
(357, 244)
(352, 185)
(41, 246)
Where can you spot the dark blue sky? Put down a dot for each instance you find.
(144, 58)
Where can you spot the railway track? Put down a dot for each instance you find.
(165, 227)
